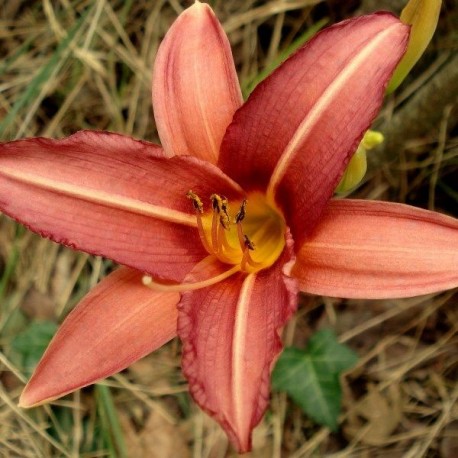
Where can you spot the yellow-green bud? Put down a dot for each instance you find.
(422, 15)
(371, 139)
(357, 166)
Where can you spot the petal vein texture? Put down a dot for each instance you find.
(301, 125)
(110, 195)
(230, 341)
(117, 323)
(375, 250)
(195, 86)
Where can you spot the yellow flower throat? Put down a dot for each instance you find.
(248, 233)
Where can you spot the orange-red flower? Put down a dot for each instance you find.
(229, 219)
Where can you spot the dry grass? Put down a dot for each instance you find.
(60, 73)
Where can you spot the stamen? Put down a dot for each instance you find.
(248, 243)
(247, 259)
(220, 241)
(221, 238)
(224, 204)
(239, 217)
(196, 202)
(199, 207)
(241, 236)
(215, 230)
(248, 246)
(244, 262)
(241, 213)
(181, 287)
(226, 244)
(222, 244)
(203, 237)
(252, 262)
(219, 204)
(224, 218)
(216, 202)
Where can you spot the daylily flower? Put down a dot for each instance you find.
(229, 219)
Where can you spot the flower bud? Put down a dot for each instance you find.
(357, 166)
(422, 15)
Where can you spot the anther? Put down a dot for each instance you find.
(216, 202)
(196, 202)
(199, 207)
(248, 243)
(224, 220)
(219, 204)
(224, 204)
(241, 213)
(247, 260)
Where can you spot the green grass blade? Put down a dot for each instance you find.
(9, 269)
(110, 426)
(19, 51)
(44, 74)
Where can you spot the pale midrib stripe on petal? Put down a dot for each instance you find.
(322, 104)
(239, 348)
(374, 248)
(104, 198)
(201, 105)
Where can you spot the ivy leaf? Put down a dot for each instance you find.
(311, 376)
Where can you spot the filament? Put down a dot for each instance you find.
(202, 235)
(219, 241)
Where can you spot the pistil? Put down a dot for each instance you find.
(150, 282)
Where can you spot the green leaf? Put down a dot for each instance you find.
(30, 344)
(311, 376)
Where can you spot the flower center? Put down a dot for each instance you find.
(248, 233)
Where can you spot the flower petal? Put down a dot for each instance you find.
(117, 323)
(375, 250)
(110, 195)
(195, 86)
(230, 340)
(301, 125)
